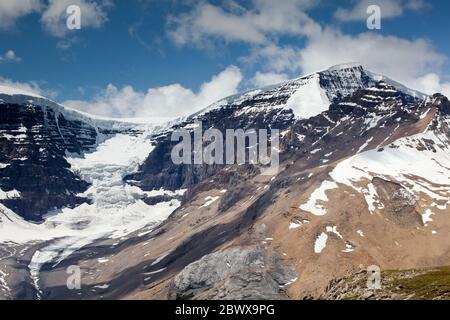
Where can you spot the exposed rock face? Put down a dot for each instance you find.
(265, 111)
(441, 102)
(399, 203)
(238, 187)
(349, 184)
(159, 171)
(33, 143)
(344, 81)
(237, 273)
(36, 135)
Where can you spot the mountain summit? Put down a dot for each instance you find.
(363, 181)
(312, 94)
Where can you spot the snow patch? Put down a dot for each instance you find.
(13, 194)
(209, 200)
(420, 172)
(319, 195)
(320, 243)
(426, 217)
(293, 225)
(309, 99)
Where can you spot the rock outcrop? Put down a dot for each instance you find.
(234, 274)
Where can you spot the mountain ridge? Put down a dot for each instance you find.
(352, 190)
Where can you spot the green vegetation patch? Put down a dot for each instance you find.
(434, 284)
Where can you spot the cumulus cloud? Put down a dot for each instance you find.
(389, 9)
(10, 56)
(53, 13)
(262, 79)
(93, 15)
(401, 59)
(232, 23)
(11, 10)
(262, 26)
(31, 87)
(432, 83)
(167, 101)
(396, 57)
(275, 58)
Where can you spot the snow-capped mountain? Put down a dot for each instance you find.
(364, 180)
(312, 94)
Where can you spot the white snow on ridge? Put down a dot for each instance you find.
(10, 91)
(16, 95)
(309, 99)
(397, 85)
(319, 195)
(364, 146)
(9, 195)
(418, 171)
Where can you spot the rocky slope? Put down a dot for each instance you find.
(36, 135)
(363, 180)
(419, 284)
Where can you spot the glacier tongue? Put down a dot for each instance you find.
(117, 209)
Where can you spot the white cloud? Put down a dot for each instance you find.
(389, 9)
(11, 10)
(268, 78)
(93, 15)
(417, 5)
(31, 87)
(263, 26)
(208, 22)
(168, 101)
(432, 83)
(275, 58)
(407, 61)
(54, 15)
(10, 56)
(401, 59)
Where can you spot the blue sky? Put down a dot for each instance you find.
(159, 58)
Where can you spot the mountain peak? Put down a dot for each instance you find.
(440, 101)
(343, 66)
